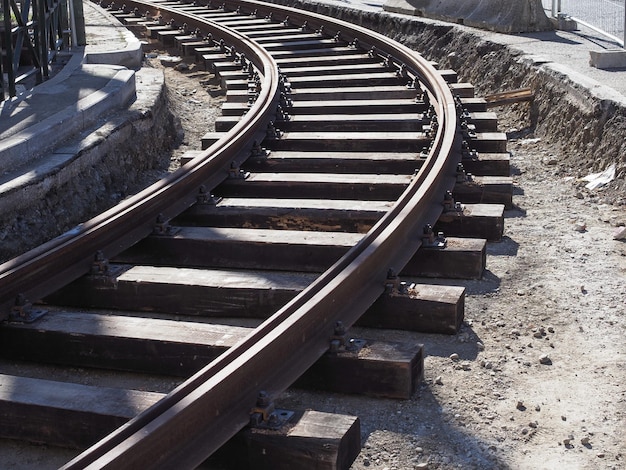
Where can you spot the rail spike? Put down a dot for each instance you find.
(265, 415)
(207, 198)
(24, 312)
(430, 240)
(162, 227)
(339, 341)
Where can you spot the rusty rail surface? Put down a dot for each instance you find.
(201, 414)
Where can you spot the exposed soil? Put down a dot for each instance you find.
(539, 382)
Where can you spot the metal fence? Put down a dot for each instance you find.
(606, 17)
(31, 32)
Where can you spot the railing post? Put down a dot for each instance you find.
(8, 46)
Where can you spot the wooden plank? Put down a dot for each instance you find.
(354, 123)
(298, 35)
(167, 37)
(328, 81)
(190, 38)
(449, 75)
(489, 164)
(210, 138)
(381, 369)
(485, 189)
(312, 440)
(338, 94)
(65, 414)
(291, 214)
(509, 97)
(75, 416)
(153, 31)
(337, 162)
(259, 34)
(463, 90)
(474, 104)
(353, 56)
(485, 164)
(462, 258)
(188, 49)
(146, 345)
(484, 121)
(186, 291)
(287, 250)
(426, 308)
(246, 294)
(311, 44)
(327, 49)
(338, 67)
(327, 107)
(350, 141)
(221, 67)
(316, 185)
(354, 78)
(489, 142)
(475, 220)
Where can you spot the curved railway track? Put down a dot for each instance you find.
(337, 150)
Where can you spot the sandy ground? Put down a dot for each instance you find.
(536, 377)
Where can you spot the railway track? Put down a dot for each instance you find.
(339, 157)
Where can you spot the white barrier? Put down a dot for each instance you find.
(607, 17)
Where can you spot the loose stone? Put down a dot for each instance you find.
(545, 359)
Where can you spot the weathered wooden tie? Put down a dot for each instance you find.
(253, 294)
(181, 348)
(308, 439)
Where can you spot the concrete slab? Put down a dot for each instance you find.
(609, 59)
(508, 16)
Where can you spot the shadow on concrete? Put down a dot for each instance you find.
(550, 36)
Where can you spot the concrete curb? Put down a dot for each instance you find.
(512, 16)
(66, 162)
(32, 142)
(130, 56)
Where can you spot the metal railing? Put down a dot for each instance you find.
(31, 32)
(607, 17)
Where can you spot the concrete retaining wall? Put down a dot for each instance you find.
(504, 16)
(117, 158)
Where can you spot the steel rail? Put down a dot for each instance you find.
(43, 270)
(201, 414)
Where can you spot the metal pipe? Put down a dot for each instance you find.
(73, 23)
